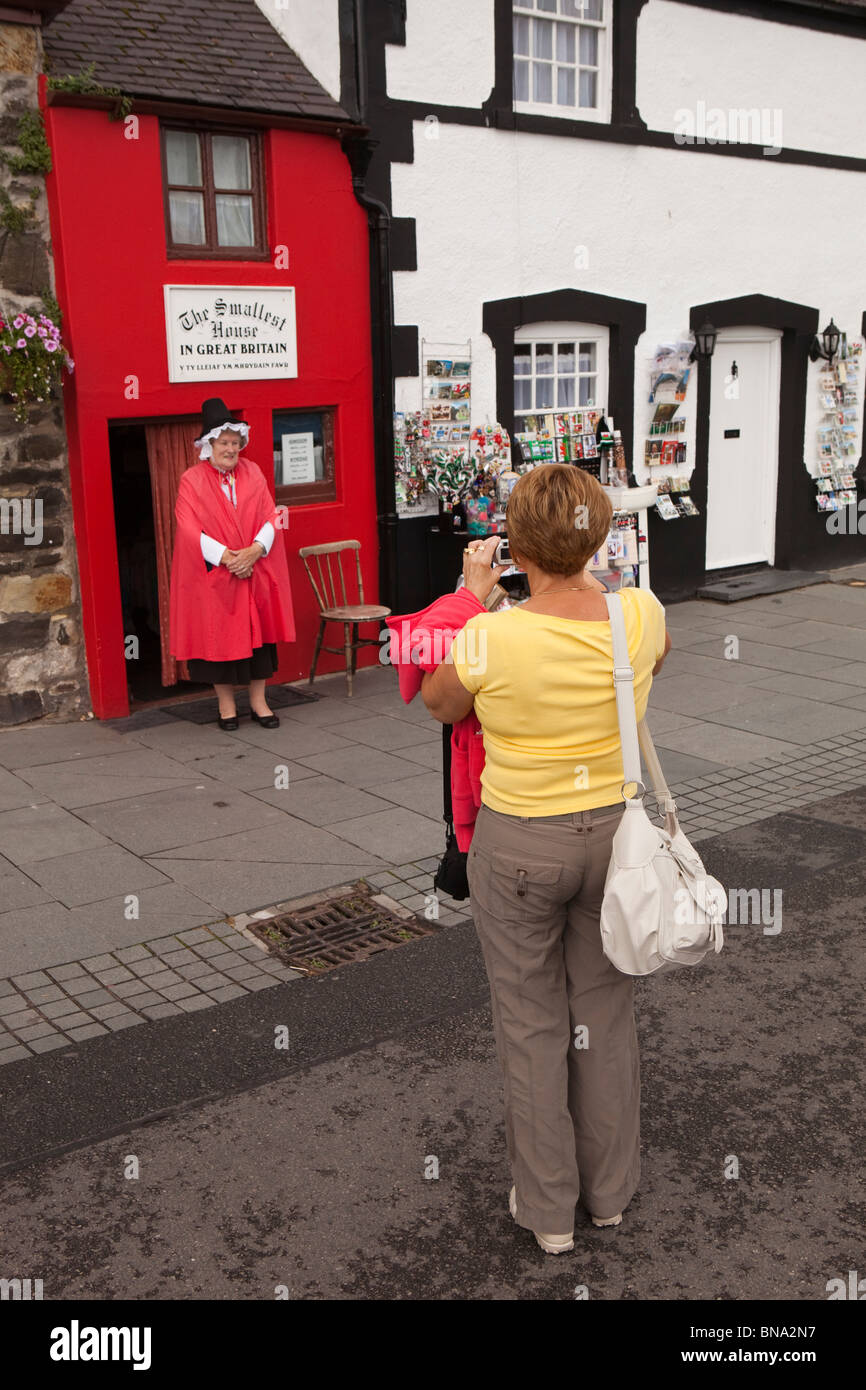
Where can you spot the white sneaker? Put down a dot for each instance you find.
(551, 1245)
(608, 1220)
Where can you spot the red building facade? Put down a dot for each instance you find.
(111, 219)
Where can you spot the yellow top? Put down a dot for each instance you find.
(544, 696)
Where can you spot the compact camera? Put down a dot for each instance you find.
(503, 553)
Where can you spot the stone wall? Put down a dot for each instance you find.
(42, 669)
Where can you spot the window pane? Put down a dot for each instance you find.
(549, 5)
(301, 459)
(565, 43)
(544, 392)
(588, 87)
(589, 47)
(565, 391)
(543, 34)
(521, 34)
(523, 394)
(587, 391)
(521, 81)
(587, 357)
(234, 220)
(542, 85)
(593, 9)
(572, 9)
(186, 214)
(523, 359)
(565, 358)
(231, 161)
(565, 86)
(543, 358)
(182, 157)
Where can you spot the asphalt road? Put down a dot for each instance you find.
(304, 1167)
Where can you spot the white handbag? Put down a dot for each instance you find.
(661, 908)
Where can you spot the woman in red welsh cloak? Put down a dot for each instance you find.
(230, 596)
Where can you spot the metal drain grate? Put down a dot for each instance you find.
(334, 931)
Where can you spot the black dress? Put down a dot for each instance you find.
(261, 664)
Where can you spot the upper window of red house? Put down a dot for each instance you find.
(214, 193)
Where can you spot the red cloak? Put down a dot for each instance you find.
(214, 616)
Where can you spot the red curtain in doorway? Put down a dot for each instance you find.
(170, 453)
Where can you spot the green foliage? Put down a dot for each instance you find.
(85, 83)
(50, 306)
(35, 156)
(14, 218)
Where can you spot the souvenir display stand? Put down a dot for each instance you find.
(466, 472)
(839, 430)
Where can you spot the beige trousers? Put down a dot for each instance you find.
(563, 1016)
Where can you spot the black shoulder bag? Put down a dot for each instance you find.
(451, 874)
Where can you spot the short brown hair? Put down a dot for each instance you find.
(557, 517)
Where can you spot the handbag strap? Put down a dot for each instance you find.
(635, 738)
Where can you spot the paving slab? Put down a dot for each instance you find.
(249, 768)
(807, 687)
(91, 875)
(18, 889)
(420, 793)
(694, 697)
(33, 938)
(182, 740)
(803, 721)
(362, 766)
(34, 833)
(192, 812)
(321, 800)
(395, 835)
(726, 747)
(292, 741)
(246, 887)
(803, 660)
(428, 754)
(15, 792)
(136, 772)
(49, 743)
(390, 733)
(167, 908)
(288, 840)
(848, 644)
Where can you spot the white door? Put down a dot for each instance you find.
(743, 462)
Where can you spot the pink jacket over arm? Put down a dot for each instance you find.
(419, 643)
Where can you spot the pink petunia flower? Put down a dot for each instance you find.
(22, 342)
(17, 322)
(50, 346)
(29, 331)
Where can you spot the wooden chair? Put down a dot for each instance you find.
(327, 558)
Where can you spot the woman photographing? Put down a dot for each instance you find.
(230, 596)
(540, 678)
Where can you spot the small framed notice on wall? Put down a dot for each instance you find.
(299, 459)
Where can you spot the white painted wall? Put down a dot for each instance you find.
(311, 29)
(816, 82)
(669, 228)
(448, 56)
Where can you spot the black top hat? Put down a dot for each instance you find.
(215, 414)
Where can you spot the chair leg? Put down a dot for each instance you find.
(350, 665)
(319, 641)
(354, 649)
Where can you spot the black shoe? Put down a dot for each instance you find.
(267, 721)
(229, 724)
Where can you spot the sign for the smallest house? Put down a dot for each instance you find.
(230, 331)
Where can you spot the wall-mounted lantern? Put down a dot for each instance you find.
(705, 343)
(827, 345)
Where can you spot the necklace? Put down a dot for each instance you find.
(568, 588)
